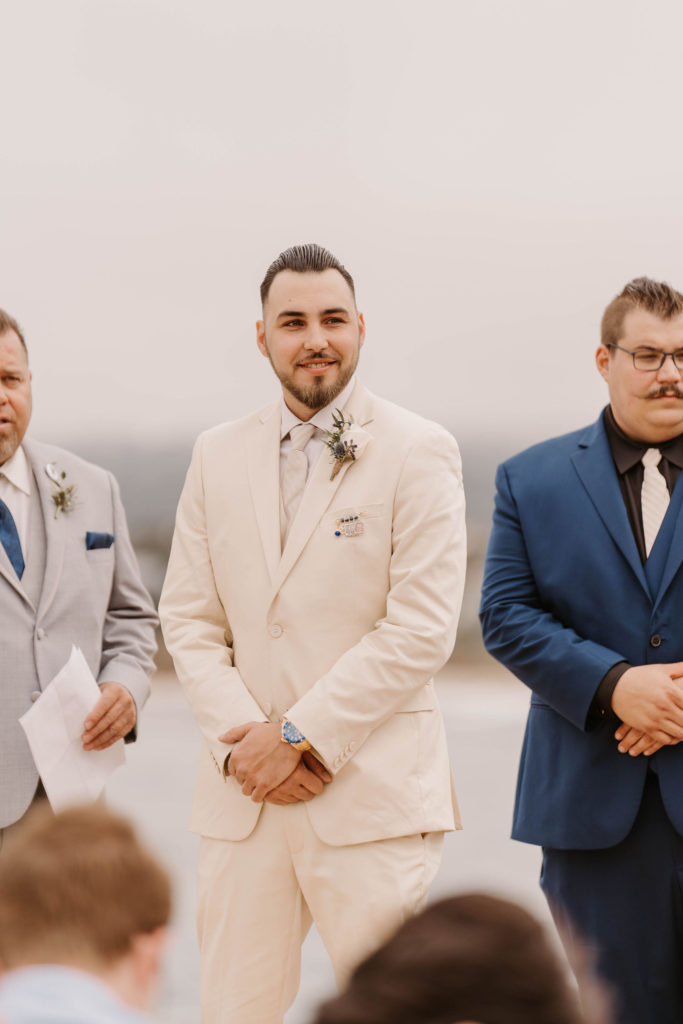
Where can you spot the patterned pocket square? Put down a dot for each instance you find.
(98, 540)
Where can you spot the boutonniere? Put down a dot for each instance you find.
(63, 497)
(346, 442)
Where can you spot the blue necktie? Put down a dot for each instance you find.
(10, 539)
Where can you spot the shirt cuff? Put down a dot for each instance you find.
(601, 705)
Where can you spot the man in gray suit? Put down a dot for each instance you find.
(68, 575)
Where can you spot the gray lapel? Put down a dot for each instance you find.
(9, 574)
(55, 533)
(34, 573)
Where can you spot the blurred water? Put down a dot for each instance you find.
(484, 714)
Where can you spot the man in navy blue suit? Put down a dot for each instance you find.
(583, 601)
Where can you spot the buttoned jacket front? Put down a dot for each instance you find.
(565, 598)
(342, 632)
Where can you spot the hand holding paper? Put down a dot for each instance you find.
(54, 729)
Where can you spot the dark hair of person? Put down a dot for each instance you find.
(304, 259)
(655, 297)
(468, 958)
(8, 323)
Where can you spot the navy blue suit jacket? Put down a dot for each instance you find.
(565, 597)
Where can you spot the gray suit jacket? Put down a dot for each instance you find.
(92, 598)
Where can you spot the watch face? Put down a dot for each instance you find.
(291, 733)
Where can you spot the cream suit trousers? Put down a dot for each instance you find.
(258, 897)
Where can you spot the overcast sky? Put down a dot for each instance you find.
(492, 173)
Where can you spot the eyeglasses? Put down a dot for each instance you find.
(651, 359)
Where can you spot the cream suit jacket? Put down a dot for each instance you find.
(343, 633)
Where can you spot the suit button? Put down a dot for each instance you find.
(35, 695)
(275, 630)
(40, 634)
(655, 640)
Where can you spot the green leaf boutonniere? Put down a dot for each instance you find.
(63, 497)
(346, 442)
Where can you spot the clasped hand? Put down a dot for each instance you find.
(268, 769)
(649, 701)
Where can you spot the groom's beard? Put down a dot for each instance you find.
(317, 394)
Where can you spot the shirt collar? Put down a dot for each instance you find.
(626, 451)
(323, 418)
(17, 471)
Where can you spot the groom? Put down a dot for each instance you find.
(313, 590)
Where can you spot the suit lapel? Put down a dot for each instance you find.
(320, 489)
(55, 529)
(9, 574)
(595, 467)
(674, 556)
(263, 467)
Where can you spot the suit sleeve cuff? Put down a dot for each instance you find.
(601, 705)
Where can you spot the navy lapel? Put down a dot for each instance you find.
(597, 472)
(674, 555)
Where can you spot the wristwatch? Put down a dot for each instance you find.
(290, 734)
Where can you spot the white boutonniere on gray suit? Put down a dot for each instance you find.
(64, 496)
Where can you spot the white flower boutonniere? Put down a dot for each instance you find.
(64, 496)
(346, 442)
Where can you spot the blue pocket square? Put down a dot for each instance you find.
(98, 540)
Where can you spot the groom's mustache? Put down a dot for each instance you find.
(317, 355)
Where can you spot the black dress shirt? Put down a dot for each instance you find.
(627, 454)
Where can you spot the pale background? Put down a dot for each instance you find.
(492, 173)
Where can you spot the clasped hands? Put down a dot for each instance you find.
(268, 769)
(649, 701)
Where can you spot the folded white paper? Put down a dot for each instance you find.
(54, 727)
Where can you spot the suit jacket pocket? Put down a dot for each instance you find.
(362, 511)
(95, 541)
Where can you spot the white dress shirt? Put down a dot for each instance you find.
(15, 491)
(322, 420)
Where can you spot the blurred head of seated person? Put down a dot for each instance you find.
(83, 912)
(471, 959)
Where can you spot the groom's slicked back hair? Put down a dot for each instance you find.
(304, 259)
(8, 323)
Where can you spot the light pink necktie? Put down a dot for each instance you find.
(294, 477)
(654, 497)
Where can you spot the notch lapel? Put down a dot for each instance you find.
(9, 574)
(263, 468)
(595, 467)
(674, 555)
(320, 489)
(55, 529)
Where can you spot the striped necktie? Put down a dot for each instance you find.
(654, 497)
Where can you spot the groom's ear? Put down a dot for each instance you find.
(261, 337)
